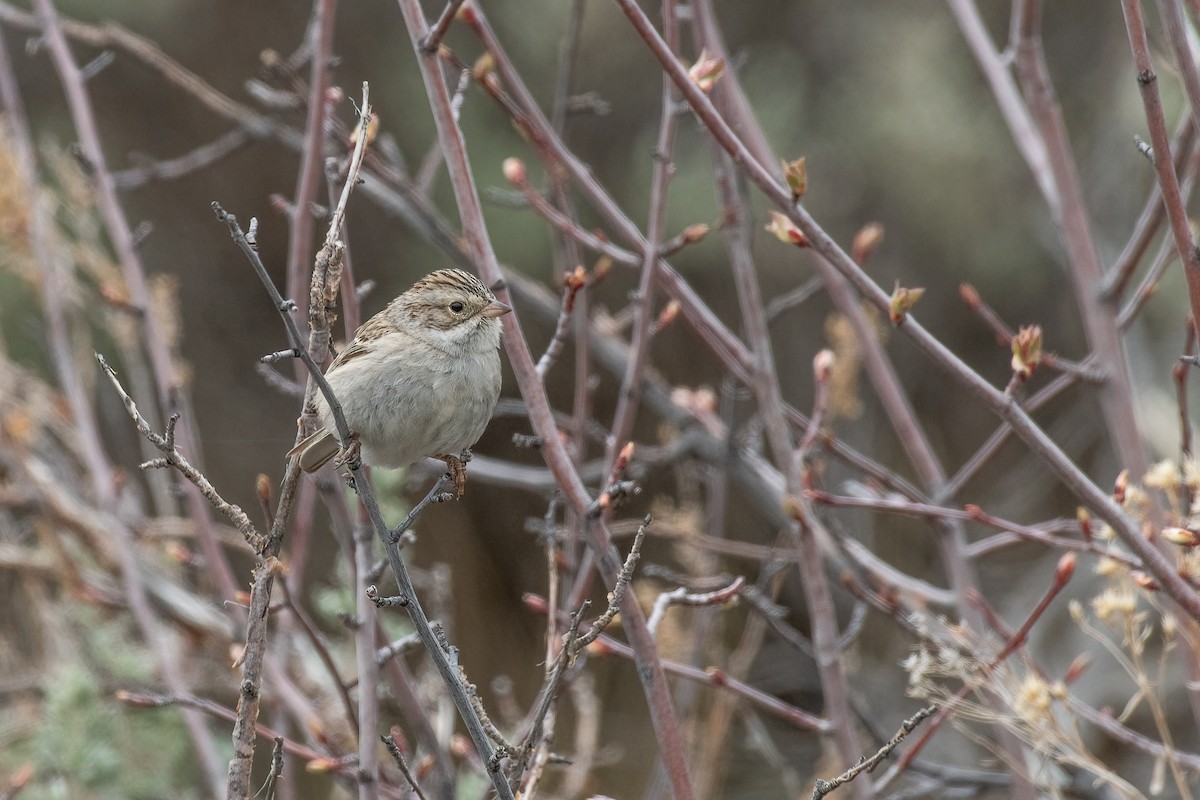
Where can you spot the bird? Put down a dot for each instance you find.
(420, 378)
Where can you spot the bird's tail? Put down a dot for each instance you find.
(316, 450)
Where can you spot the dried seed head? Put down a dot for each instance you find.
(1114, 606)
(1033, 699)
(1164, 475)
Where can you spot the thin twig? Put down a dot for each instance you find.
(299, 256)
(367, 666)
(1167, 180)
(764, 383)
(618, 593)
(573, 282)
(547, 696)
(1180, 375)
(436, 494)
(1149, 222)
(268, 787)
(1001, 435)
(1148, 286)
(796, 297)
(170, 169)
(824, 787)
(1087, 274)
(720, 679)
(401, 645)
(682, 597)
(389, 741)
(567, 254)
(572, 645)
(663, 170)
(173, 458)
(824, 363)
(433, 39)
(206, 706)
(1042, 533)
(318, 644)
(569, 227)
(1008, 99)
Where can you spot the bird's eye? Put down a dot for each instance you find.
(456, 307)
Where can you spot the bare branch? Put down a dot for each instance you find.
(173, 458)
(824, 787)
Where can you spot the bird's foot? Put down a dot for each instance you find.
(350, 457)
(456, 470)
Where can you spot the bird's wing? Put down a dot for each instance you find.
(355, 349)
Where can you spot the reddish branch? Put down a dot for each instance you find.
(1099, 317)
(627, 402)
(718, 678)
(1168, 182)
(478, 244)
(142, 700)
(311, 156)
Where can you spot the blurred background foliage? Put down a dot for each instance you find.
(898, 127)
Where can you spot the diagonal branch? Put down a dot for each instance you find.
(650, 669)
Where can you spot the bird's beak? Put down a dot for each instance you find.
(495, 309)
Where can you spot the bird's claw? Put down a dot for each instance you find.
(456, 470)
(350, 457)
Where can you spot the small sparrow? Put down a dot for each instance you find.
(421, 378)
